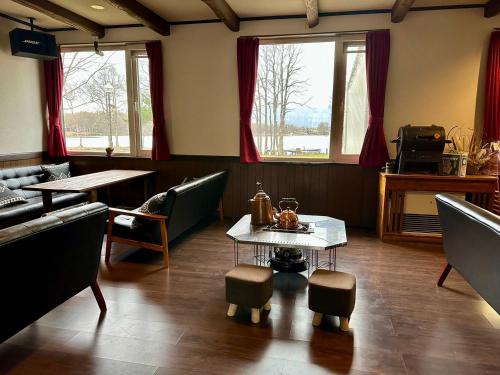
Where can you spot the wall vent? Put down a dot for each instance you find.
(421, 223)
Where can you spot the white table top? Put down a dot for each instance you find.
(328, 233)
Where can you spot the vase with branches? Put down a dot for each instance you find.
(481, 155)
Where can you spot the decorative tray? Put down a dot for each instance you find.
(304, 228)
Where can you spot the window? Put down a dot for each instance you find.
(311, 99)
(106, 100)
(143, 100)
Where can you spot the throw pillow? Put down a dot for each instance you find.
(153, 205)
(56, 172)
(8, 197)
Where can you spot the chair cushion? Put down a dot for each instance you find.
(8, 197)
(332, 280)
(249, 285)
(56, 172)
(144, 233)
(332, 293)
(250, 273)
(17, 178)
(33, 207)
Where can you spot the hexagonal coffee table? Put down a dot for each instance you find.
(327, 235)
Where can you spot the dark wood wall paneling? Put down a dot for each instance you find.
(347, 192)
(21, 160)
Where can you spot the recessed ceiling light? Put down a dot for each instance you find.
(97, 7)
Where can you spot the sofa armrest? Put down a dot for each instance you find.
(119, 211)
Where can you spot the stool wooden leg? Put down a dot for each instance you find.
(267, 306)
(344, 324)
(317, 319)
(256, 316)
(232, 309)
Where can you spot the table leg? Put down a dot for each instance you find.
(334, 258)
(147, 188)
(234, 252)
(108, 196)
(93, 196)
(47, 201)
(308, 263)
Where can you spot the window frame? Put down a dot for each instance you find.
(338, 94)
(131, 50)
(135, 95)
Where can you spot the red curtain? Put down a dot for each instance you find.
(53, 72)
(374, 153)
(160, 149)
(248, 59)
(491, 128)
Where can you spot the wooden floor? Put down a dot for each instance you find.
(173, 321)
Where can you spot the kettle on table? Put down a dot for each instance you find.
(260, 208)
(288, 218)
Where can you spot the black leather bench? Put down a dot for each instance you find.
(16, 179)
(47, 261)
(471, 241)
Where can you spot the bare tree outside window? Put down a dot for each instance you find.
(95, 106)
(292, 114)
(107, 100)
(299, 111)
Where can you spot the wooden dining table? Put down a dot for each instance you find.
(89, 183)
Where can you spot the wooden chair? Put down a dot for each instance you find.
(161, 219)
(184, 206)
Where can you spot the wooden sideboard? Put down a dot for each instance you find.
(393, 188)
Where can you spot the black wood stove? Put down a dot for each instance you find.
(289, 259)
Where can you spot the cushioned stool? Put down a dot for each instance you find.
(249, 286)
(332, 293)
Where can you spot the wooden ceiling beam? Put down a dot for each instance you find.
(225, 13)
(312, 12)
(144, 15)
(64, 15)
(492, 8)
(400, 10)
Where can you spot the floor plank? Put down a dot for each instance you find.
(173, 321)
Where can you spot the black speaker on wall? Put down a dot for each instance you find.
(33, 44)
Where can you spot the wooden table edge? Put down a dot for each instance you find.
(36, 187)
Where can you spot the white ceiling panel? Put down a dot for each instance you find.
(110, 15)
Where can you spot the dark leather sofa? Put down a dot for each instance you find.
(47, 261)
(185, 206)
(189, 203)
(471, 241)
(16, 179)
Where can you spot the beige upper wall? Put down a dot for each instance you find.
(437, 61)
(22, 99)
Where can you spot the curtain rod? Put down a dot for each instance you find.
(106, 43)
(326, 33)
